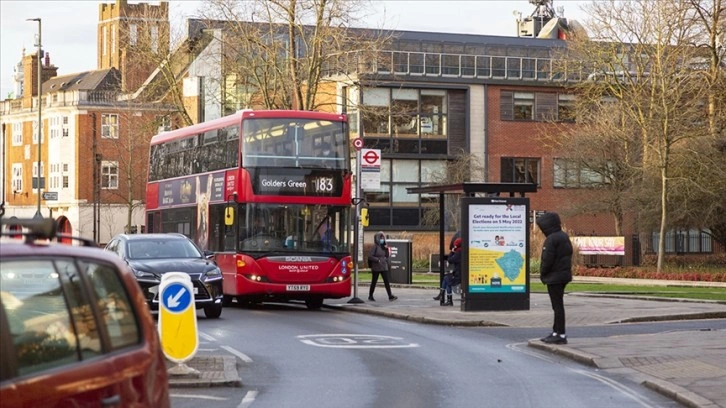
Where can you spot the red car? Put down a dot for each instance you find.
(76, 331)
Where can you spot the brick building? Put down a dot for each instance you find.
(95, 132)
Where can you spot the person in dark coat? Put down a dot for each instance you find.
(456, 236)
(380, 264)
(555, 271)
(451, 279)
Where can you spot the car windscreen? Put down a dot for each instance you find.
(162, 249)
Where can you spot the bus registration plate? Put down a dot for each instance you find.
(298, 288)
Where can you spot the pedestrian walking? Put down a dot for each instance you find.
(451, 279)
(380, 264)
(555, 271)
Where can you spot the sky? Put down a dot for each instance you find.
(69, 27)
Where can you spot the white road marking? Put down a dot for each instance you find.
(198, 396)
(207, 337)
(623, 389)
(248, 399)
(242, 356)
(357, 341)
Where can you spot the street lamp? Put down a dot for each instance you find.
(38, 215)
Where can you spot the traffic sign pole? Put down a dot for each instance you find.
(178, 320)
(356, 229)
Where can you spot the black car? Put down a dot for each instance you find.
(152, 255)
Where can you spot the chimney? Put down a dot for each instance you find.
(49, 71)
(30, 76)
(30, 79)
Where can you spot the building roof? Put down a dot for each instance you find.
(469, 188)
(102, 79)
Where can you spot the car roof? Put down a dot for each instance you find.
(13, 248)
(162, 236)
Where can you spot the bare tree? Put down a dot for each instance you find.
(599, 155)
(641, 59)
(289, 54)
(461, 169)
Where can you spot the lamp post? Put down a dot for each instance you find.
(38, 215)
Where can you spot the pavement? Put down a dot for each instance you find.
(686, 366)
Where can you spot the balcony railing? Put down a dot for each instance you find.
(69, 98)
(442, 65)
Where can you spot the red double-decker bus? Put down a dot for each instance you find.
(269, 192)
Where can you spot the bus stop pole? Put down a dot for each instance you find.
(356, 225)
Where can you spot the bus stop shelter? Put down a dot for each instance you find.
(469, 189)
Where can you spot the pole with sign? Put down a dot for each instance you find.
(178, 320)
(358, 144)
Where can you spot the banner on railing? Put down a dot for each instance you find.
(600, 245)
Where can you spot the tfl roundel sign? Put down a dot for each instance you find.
(371, 157)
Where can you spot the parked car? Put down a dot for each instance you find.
(152, 255)
(75, 328)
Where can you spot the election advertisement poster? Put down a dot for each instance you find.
(497, 238)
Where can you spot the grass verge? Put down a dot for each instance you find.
(681, 292)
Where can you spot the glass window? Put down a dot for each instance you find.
(376, 97)
(17, 178)
(17, 134)
(154, 34)
(133, 34)
(382, 195)
(385, 170)
(293, 227)
(523, 105)
(566, 107)
(294, 142)
(570, 174)
(433, 171)
(113, 305)
(109, 175)
(405, 171)
(375, 121)
(399, 194)
(404, 110)
(109, 126)
(38, 315)
(520, 170)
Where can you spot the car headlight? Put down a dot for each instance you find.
(213, 274)
(145, 275)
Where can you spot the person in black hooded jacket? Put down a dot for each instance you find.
(555, 271)
(380, 264)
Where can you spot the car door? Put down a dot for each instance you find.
(132, 341)
(55, 354)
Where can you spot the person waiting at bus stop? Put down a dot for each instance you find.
(380, 263)
(555, 271)
(451, 279)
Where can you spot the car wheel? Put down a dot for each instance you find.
(314, 304)
(213, 311)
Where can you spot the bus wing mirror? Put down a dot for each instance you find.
(364, 217)
(229, 216)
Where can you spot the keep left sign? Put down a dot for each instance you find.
(177, 317)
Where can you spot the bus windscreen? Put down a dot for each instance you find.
(293, 142)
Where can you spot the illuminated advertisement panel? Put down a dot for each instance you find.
(495, 262)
